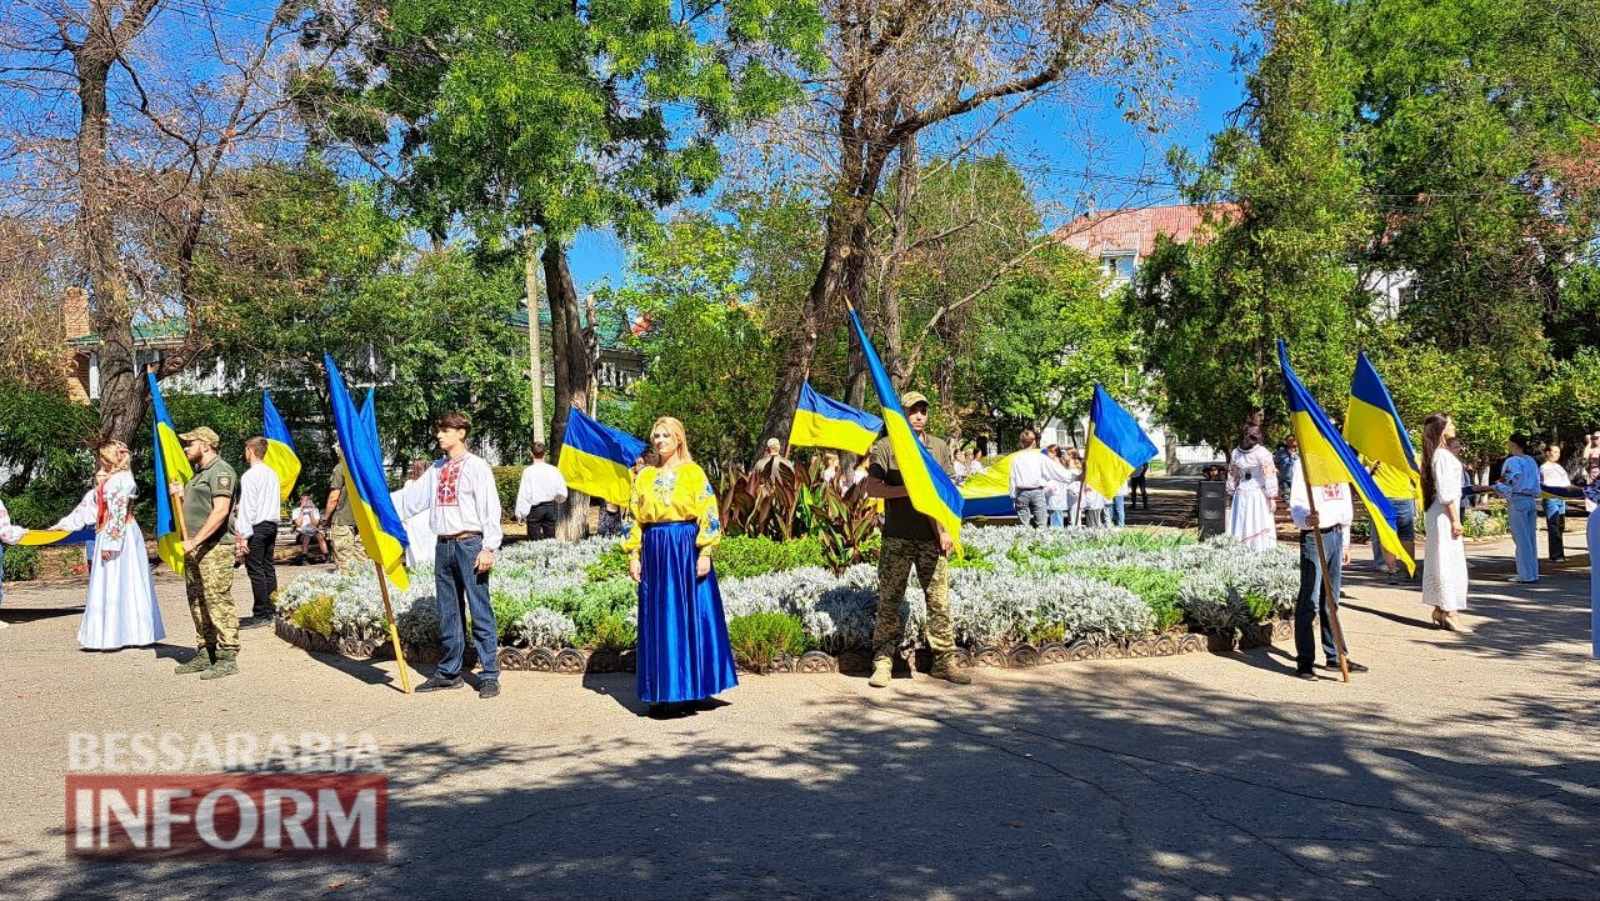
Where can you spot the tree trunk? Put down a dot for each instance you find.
(569, 348)
(122, 392)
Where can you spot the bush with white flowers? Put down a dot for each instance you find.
(1014, 585)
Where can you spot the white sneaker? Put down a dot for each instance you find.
(4, 624)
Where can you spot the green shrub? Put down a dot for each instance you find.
(1158, 588)
(507, 480)
(22, 564)
(509, 608)
(613, 633)
(613, 563)
(741, 556)
(1047, 633)
(759, 639)
(1259, 608)
(315, 615)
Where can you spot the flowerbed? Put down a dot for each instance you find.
(1013, 588)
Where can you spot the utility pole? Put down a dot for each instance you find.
(530, 278)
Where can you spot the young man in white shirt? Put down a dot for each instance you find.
(540, 495)
(463, 506)
(1028, 496)
(1519, 485)
(1332, 518)
(255, 529)
(1553, 475)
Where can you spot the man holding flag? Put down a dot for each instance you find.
(911, 539)
(207, 500)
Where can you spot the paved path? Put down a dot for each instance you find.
(1462, 766)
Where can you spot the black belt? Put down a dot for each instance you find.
(1034, 488)
(1323, 531)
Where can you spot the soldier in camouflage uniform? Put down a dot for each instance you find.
(347, 548)
(207, 501)
(911, 539)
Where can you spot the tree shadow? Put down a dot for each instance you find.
(1127, 785)
(15, 615)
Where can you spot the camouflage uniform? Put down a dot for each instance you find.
(208, 569)
(208, 576)
(909, 539)
(894, 570)
(347, 548)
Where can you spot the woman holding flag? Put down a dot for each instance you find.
(684, 655)
(1444, 578)
(121, 609)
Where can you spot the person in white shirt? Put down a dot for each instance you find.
(307, 523)
(463, 506)
(1332, 518)
(1059, 485)
(255, 529)
(1553, 475)
(1519, 485)
(420, 539)
(9, 534)
(1027, 482)
(540, 496)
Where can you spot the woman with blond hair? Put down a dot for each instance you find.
(683, 654)
(1444, 571)
(121, 609)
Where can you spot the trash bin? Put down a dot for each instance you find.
(1213, 503)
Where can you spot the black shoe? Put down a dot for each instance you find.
(488, 688)
(1305, 674)
(1354, 666)
(439, 683)
(252, 622)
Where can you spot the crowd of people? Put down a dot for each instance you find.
(451, 511)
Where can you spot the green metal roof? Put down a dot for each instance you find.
(150, 332)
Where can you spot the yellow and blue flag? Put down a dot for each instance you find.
(988, 493)
(377, 522)
(282, 458)
(1329, 460)
(821, 421)
(928, 486)
(1372, 426)
(172, 468)
(1117, 446)
(43, 537)
(597, 459)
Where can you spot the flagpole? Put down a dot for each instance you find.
(394, 632)
(1083, 477)
(1331, 600)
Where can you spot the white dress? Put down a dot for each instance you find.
(1444, 561)
(1253, 484)
(121, 610)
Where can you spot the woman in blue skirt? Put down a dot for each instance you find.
(683, 654)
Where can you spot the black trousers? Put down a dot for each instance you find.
(1555, 525)
(542, 520)
(258, 565)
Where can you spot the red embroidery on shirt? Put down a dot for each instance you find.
(449, 493)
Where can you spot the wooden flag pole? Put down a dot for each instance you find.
(1331, 602)
(394, 632)
(1083, 477)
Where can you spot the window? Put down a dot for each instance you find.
(1118, 266)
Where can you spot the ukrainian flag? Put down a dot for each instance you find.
(42, 537)
(281, 455)
(598, 460)
(821, 421)
(172, 467)
(989, 492)
(931, 491)
(1328, 460)
(383, 535)
(1373, 427)
(1117, 446)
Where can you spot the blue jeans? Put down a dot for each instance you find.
(453, 576)
(1405, 527)
(1311, 604)
(1058, 519)
(1119, 510)
(1524, 516)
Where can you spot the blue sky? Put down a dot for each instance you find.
(1070, 155)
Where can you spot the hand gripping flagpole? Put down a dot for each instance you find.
(1330, 597)
(1083, 475)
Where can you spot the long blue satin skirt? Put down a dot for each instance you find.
(683, 637)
